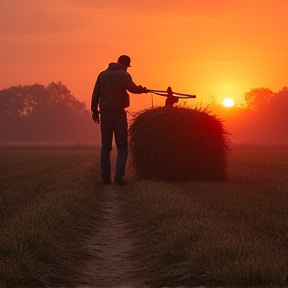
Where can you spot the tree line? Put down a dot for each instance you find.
(35, 113)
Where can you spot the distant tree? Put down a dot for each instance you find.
(255, 98)
(19, 100)
(262, 121)
(58, 112)
(17, 105)
(274, 115)
(283, 94)
(39, 113)
(268, 122)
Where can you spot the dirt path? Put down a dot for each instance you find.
(112, 247)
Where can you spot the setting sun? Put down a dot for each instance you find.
(228, 102)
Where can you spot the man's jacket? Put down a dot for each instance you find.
(110, 91)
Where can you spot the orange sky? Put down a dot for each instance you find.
(219, 48)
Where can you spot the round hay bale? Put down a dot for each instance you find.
(178, 144)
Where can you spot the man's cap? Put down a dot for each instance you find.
(124, 60)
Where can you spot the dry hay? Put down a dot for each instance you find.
(178, 144)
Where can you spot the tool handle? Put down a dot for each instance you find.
(175, 94)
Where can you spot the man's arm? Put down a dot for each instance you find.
(95, 101)
(95, 95)
(133, 88)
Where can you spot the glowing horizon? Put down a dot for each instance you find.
(211, 50)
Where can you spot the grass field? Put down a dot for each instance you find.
(230, 233)
(227, 233)
(48, 203)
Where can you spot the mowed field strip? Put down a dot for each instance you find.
(60, 227)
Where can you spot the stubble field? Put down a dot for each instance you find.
(229, 233)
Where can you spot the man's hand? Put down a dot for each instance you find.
(95, 117)
(145, 90)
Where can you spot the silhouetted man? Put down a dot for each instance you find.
(110, 95)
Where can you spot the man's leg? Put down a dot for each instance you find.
(106, 136)
(121, 139)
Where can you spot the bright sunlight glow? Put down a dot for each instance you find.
(228, 102)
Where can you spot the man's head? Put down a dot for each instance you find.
(124, 60)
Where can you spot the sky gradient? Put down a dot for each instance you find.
(216, 48)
